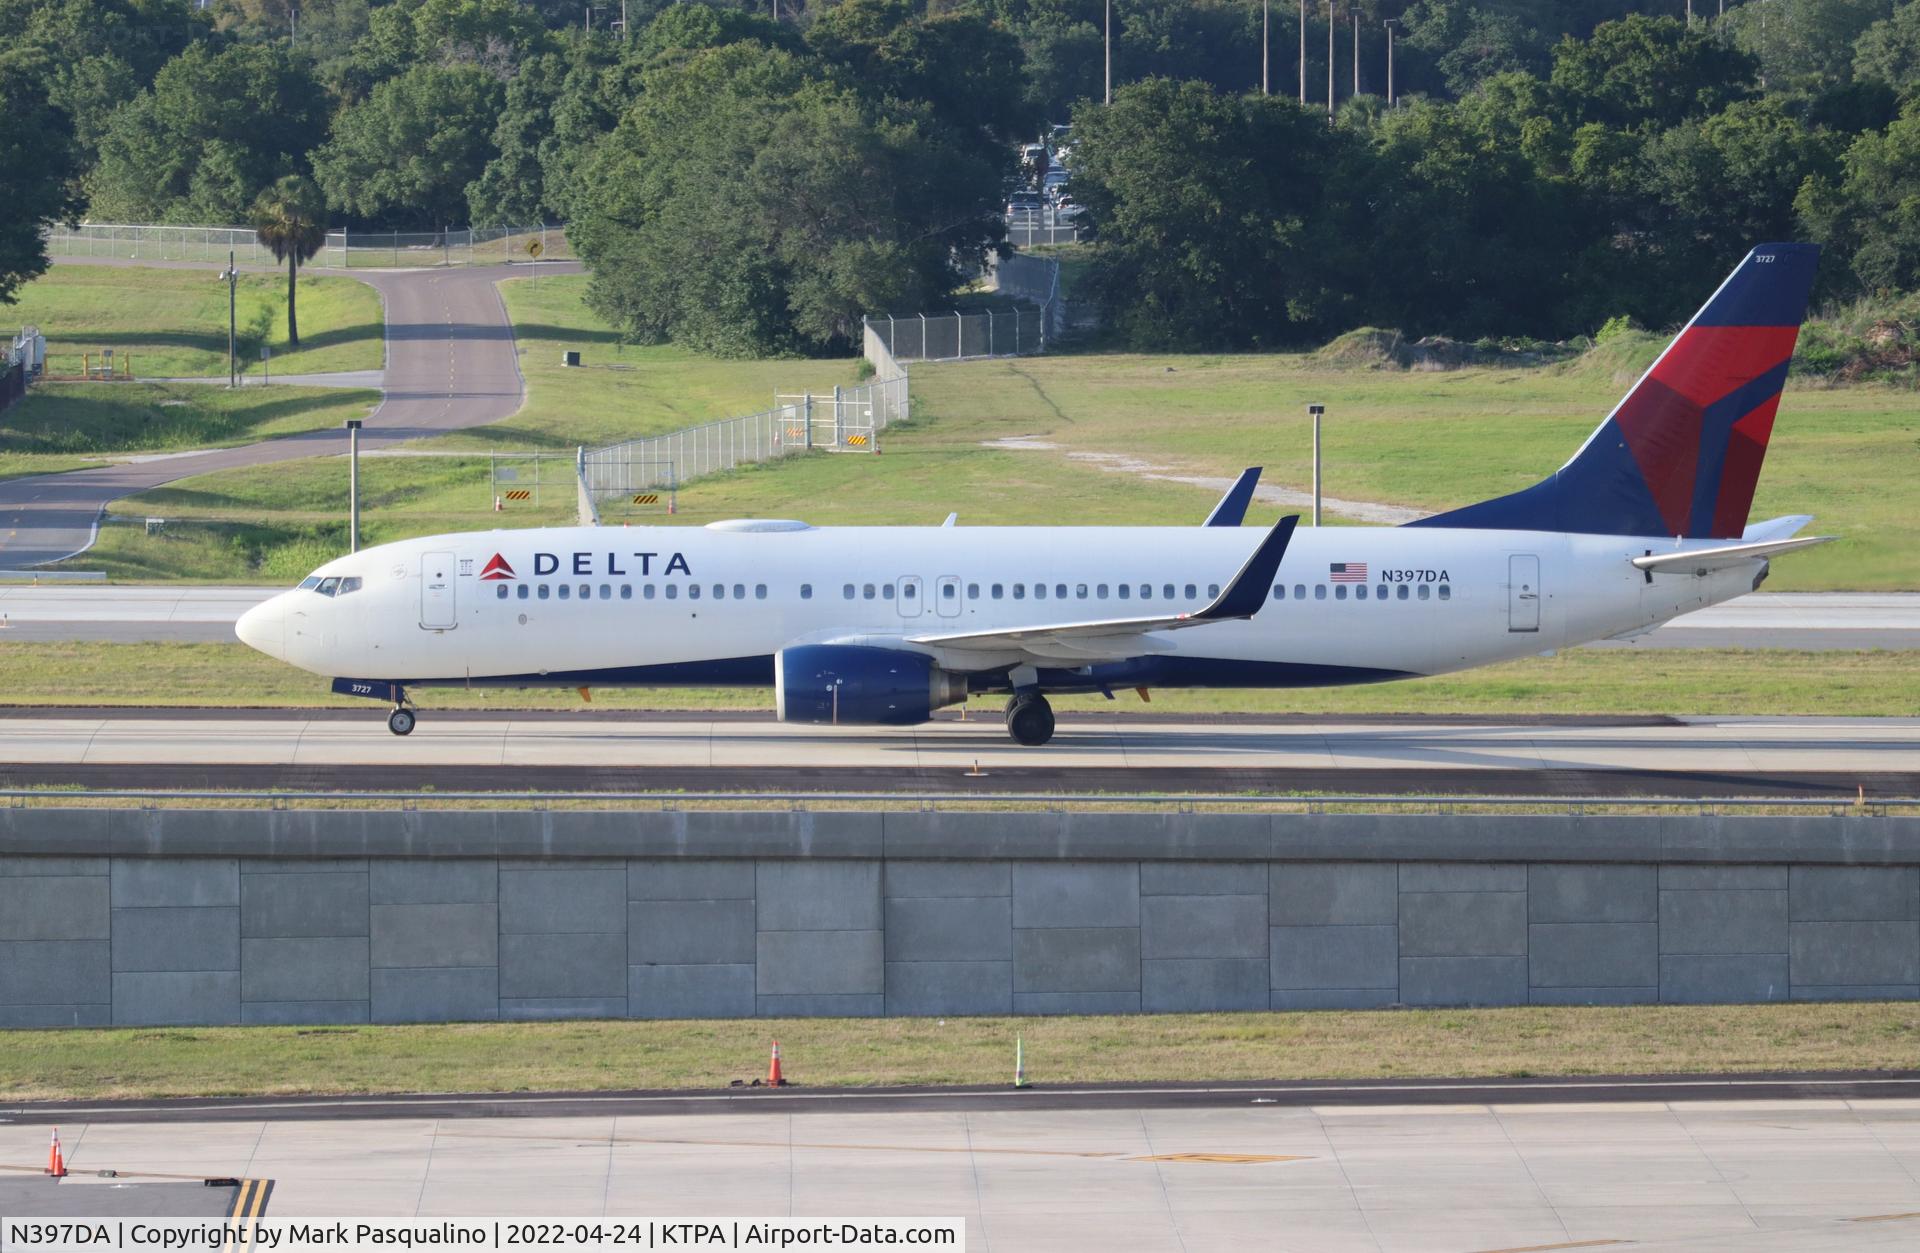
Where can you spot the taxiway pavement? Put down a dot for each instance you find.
(339, 749)
(1762, 1174)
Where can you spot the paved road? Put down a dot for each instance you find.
(450, 365)
(492, 752)
(1798, 620)
(1767, 1174)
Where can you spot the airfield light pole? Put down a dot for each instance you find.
(1316, 411)
(353, 486)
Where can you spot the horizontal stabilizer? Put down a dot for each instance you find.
(1241, 598)
(1701, 560)
(1232, 509)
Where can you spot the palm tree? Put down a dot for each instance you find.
(290, 220)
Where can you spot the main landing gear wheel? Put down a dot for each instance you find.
(400, 722)
(1030, 720)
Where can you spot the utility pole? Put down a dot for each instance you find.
(233, 277)
(1109, 42)
(1303, 51)
(1355, 15)
(1266, 43)
(1331, 26)
(1390, 23)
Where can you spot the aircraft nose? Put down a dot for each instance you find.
(264, 627)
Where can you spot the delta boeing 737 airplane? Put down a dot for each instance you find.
(884, 625)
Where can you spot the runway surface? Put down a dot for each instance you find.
(1762, 1174)
(450, 365)
(596, 751)
(185, 612)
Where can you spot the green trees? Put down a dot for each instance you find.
(215, 128)
(1869, 214)
(1220, 216)
(408, 152)
(39, 162)
(750, 203)
(290, 219)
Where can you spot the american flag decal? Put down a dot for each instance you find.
(1348, 572)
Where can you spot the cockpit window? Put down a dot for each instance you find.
(328, 587)
(310, 582)
(349, 584)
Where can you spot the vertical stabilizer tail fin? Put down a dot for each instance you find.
(1681, 453)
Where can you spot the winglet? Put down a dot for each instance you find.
(1232, 509)
(1248, 591)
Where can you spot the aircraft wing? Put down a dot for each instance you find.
(1232, 509)
(1241, 598)
(1701, 560)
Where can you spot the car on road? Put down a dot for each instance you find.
(1024, 204)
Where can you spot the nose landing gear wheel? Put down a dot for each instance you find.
(1030, 720)
(400, 722)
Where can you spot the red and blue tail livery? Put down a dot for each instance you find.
(1680, 455)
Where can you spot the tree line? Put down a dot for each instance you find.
(746, 183)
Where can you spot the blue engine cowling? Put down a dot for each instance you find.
(860, 685)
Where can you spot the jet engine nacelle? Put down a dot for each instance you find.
(860, 685)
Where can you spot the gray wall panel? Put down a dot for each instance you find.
(1335, 957)
(176, 998)
(689, 933)
(309, 903)
(445, 994)
(1590, 893)
(1594, 955)
(304, 969)
(148, 881)
(1463, 980)
(1076, 959)
(949, 987)
(813, 963)
(541, 899)
(563, 966)
(1463, 924)
(176, 939)
(426, 881)
(1202, 985)
(1855, 893)
(55, 972)
(1840, 953)
(689, 880)
(704, 991)
(1309, 894)
(1723, 979)
(819, 895)
(1203, 926)
(50, 907)
(949, 929)
(1076, 894)
(423, 936)
(1739, 920)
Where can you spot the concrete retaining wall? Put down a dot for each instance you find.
(186, 917)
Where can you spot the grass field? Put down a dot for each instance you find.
(621, 391)
(1613, 681)
(173, 323)
(66, 419)
(821, 1052)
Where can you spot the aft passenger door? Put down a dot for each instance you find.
(1523, 592)
(909, 601)
(436, 592)
(947, 597)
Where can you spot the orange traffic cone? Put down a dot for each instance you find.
(56, 1164)
(773, 1070)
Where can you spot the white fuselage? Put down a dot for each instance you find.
(586, 604)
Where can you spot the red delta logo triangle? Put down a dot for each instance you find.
(497, 568)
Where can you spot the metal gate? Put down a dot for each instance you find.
(436, 592)
(1523, 592)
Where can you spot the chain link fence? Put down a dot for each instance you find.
(958, 336)
(640, 475)
(343, 249)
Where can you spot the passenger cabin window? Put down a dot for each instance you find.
(998, 591)
(866, 592)
(522, 593)
(806, 591)
(1080, 591)
(1424, 591)
(1192, 591)
(740, 591)
(1213, 591)
(719, 591)
(1299, 591)
(759, 591)
(565, 591)
(1402, 593)
(1100, 591)
(647, 592)
(693, 591)
(1039, 591)
(500, 591)
(544, 591)
(1059, 591)
(973, 591)
(1019, 591)
(1446, 593)
(1340, 592)
(886, 591)
(1124, 590)
(1166, 592)
(1279, 592)
(848, 591)
(606, 591)
(626, 591)
(673, 591)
